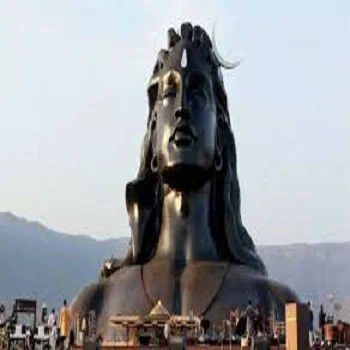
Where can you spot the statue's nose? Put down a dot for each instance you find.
(182, 113)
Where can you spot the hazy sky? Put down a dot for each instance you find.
(73, 78)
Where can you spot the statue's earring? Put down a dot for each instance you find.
(153, 122)
(221, 120)
(154, 164)
(218, 161)
(218, 153)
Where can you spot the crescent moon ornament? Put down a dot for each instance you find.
(220, 60)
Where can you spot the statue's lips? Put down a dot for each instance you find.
(183, 135)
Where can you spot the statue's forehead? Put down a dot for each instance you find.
(183, 77)
(186, 59)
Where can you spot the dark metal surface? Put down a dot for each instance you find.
(189, 247)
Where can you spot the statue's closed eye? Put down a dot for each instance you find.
(195, 93)
(197, 96)
(169, 92)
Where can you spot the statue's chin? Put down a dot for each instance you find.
(185, 176)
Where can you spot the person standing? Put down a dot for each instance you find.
(311, 325)
(43, 314)
(53, 335)
(166, 332)
(52, 319)
(250, 314)
(259, 320)
(64, 323)
(322, 322)
(233, 322)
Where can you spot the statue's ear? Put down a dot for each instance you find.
(221, 101)
(219, 132)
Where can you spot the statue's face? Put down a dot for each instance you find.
(185, 121)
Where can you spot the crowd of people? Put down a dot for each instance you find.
(318, 336)
(58, 326)
(250, 321)
(55, 327)
(247, 322)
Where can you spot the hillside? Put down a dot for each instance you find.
(49, 266)
(40, 263)
(315, 271)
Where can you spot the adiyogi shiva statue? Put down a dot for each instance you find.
(188, 246)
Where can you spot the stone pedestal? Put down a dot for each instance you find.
(297, 326)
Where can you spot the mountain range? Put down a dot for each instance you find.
(37, 262)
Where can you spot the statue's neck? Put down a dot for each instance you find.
(185, 234)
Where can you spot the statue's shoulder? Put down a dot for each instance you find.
(241, 283)
(246, 276)
(85, 300)
(281, 292)
(127, 276)
(93, 295)
(260, 288)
